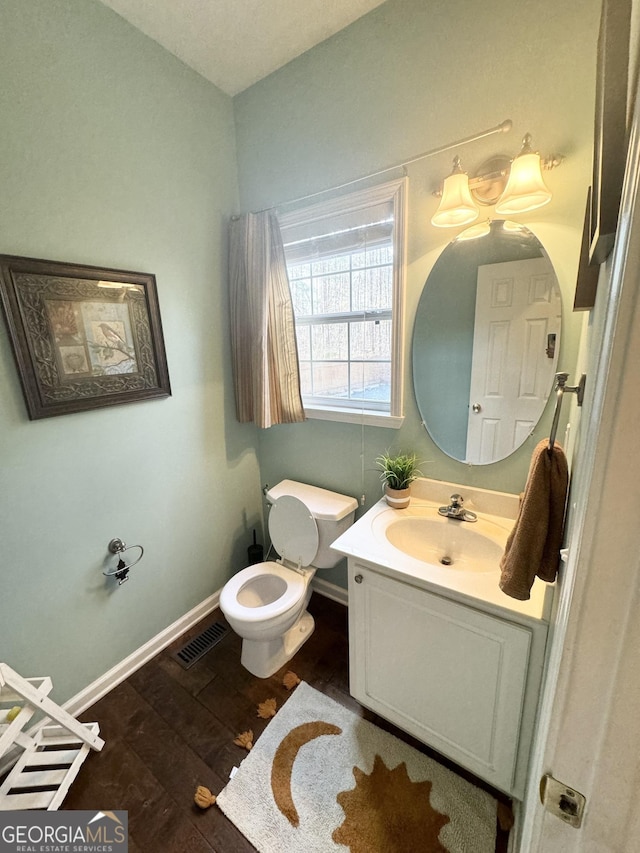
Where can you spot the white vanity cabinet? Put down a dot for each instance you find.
(460, 679)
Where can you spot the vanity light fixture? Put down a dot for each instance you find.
(514, 187)
(456, 205)
(525, 188)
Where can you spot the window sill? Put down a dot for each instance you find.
(354, 416)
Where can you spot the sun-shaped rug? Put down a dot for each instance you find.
(387, 812)
(320, 779)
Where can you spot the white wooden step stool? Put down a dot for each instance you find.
(52, 755)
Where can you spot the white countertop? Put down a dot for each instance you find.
(496, 512)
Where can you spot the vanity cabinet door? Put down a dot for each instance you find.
(448, 674)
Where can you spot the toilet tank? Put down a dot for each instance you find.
(333, 514)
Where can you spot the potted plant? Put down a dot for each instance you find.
(397, 474)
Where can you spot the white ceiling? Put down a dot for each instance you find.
(235, 43)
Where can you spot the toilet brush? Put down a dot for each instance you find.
(254, 552)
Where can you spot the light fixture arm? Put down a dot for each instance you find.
(549, 162)
(526, 145)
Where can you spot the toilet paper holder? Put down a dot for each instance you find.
(121, 571)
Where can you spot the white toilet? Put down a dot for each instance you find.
(266, 603)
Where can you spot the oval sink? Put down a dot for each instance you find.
(457, 545)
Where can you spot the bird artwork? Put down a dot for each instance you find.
(110, 352)
(111, 336)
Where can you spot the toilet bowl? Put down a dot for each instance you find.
(265, 603)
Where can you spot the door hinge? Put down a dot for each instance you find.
(562, 801)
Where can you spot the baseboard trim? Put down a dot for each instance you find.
(121, 671)
(330, 590)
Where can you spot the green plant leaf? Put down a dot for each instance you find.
(399, 471)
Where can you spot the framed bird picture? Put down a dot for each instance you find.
(83, 337)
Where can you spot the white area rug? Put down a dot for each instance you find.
(291, 805)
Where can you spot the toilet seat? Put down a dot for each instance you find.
(295, 585)
(293, 531)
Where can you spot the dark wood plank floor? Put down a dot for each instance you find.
(168, 730)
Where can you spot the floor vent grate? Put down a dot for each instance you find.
(193, 650)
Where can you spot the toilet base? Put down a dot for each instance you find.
(264, 657)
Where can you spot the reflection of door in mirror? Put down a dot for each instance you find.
(513, 355)
(517, 308)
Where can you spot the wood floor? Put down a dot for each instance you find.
(168, 730)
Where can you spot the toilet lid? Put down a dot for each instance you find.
(293, 530)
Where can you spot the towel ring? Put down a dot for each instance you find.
(560, 388)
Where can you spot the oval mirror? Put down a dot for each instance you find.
(486, 341)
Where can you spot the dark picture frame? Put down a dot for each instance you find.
(83, 337)
(587, 281)
(610, 129)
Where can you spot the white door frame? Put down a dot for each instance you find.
(589, 726)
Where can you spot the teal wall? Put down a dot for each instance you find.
(408, 77)
(113, 153)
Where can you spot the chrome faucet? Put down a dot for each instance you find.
(456, 510)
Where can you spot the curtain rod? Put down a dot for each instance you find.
(503, 127)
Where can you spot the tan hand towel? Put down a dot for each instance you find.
(533, 546)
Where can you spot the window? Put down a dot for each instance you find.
(345, 260)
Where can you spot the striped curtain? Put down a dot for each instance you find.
(266, 375)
